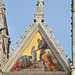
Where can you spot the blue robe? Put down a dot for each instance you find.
(34, 55)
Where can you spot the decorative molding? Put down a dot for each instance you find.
(52, 37)
(49, 31)
(57, 43)
(5, 60)
(32, 25)
(18, 42)
(14, 48)
(23, 36)
(10, 54)
(27, 30)
(44, 24)
(61, 50)
(65, 55)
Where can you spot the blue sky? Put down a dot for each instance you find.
(57, 14)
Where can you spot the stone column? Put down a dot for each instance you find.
(73, 33)
(1, 51)
(73, 40)
(0, 55)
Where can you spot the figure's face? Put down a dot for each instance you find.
(30, 57)
(33, 47)
(38, 40)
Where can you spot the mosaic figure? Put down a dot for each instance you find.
(33, 52)
(47, 58)
(22, 63)
(26, 61)
(41, 46)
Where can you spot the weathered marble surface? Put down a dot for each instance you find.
(35, 73)
(73, 40)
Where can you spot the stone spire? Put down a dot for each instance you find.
(4, 36)
(39, 17)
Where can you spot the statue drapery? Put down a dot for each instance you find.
(40, 4)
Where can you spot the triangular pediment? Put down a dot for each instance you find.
(37, 31)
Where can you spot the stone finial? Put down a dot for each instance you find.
(10, 54)
(14, 48)
(23, 36)
(69, 61)
(65, 55)
(53, 37)
(5, 60)
(27, 30)
(32, 25)
(57, 43)
(18, 42)
(44, 24)
(61, 49)
(49, 31)
(39, 16)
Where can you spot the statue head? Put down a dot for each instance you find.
(40, 0)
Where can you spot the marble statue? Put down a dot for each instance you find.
(40, 4)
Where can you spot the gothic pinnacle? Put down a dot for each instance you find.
(39, 17)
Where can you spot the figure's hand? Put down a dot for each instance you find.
(38, 49)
